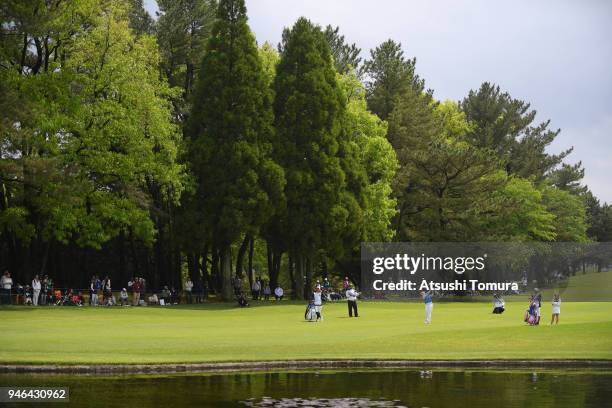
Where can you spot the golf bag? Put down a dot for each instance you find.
(531, 316)
(311, 312)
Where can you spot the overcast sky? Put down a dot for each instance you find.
(556, 54)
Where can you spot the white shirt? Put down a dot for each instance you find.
(188, 285)
(317, 298)
(7, 282)
(279, 291)
(35, 284)
(351, 294)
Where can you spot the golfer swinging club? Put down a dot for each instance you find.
(318, 303)
(428, 306)
(351, 297)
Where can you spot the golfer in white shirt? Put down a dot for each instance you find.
(318, 302)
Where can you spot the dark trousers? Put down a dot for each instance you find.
(352, 305)
(6, 296)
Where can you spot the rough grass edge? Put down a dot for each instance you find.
(298, 364)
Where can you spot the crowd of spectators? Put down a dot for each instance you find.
(42, 292)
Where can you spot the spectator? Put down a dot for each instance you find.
(93, 292)
(267, 291)
(165, 295)
(49, 290)
(27, 295)
(255, 288)
(19, 298)
(237, 285)
(188, 289)
(174, 296)
(35, 290)
(153, 299)
(123, 296)
(44, 290)
(107, 291)
(345, 284)
(136, 288)
(99, 286)
(78, 299)
(7, 284)
(278, 293)
(242, 302)
(198, 289)
(326, 284)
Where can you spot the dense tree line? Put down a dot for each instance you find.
(159, 148)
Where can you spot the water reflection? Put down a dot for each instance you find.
(366, 388)
(320, 402)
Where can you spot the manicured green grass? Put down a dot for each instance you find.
(592, 286)
(218, 332)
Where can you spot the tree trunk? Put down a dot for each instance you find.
(215, 275)
(250, 271)
(292, 277)
(308, 279)
(299, 277)
(226, 273)
(240, 256)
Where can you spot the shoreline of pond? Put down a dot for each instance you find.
(250, 366)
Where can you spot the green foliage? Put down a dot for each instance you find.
(504, 125)
(269, 59)
(389, 74)
(346, 56)
(375, 163)
(309, 108)
(569, 212)
(141, 21)
(95, 130)
(568, 177)
(183, 30)
(445, 183)
(519, 214)
(231, 129)
(599, 218)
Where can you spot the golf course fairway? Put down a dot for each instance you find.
(276, 331)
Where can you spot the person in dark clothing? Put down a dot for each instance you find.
(198, 288)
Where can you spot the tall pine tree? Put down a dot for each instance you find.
(309, 108)
(231, 127)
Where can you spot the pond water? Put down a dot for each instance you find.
(361, 388)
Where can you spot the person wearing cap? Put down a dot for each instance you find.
(351, 297)
(279, 293)
(124, 297)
